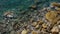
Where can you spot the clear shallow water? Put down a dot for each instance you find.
(9, 4)
(21, 4)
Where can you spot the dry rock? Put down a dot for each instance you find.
(34, 32)
(44, 25)
(34, 23)
(24, 32)
(55, 29)
(52, 16)
(37, 26)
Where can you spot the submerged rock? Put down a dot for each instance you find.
(8, 15)
(55, 4)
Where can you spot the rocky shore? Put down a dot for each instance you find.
(35, 21)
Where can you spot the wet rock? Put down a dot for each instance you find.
(33, 7)
(8, 15)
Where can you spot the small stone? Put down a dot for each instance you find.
(59, 32)
(55, 29)
(31, 20)
(16, 26)
(58, 22)
(24, 32)
(57, 8)
(55, 4)
(58, 12)
(40, 22)
(18, 32)
(12, 32)
(55, 33)
(34, 23)
(37, 26)
(59, 26)
(44, 9)
(33, 6)
(34, 32)
(8, 14)
(44, 25)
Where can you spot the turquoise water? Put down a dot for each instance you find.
(15, 4)
(22, 4)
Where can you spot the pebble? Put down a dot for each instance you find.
(8, 14)
(40, 22)
(55, 29)
(37, 26)
(59, 26)
(34, 23)
(59, 32)
(24, 32)
(44, 25)
(12, 32)
(34, 32)
(55, 4)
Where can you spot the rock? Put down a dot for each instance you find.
(58, 22)
(24, 32)
(58, 12)
(55, 4)
(33, 7)
(58, 26)
(44, 25)
(31, 20)
(44, 8)
(37, 26)
(12, 32)
(16, 26)
(40, 22)
(51, 16)
(55, 33)
(55, 29)
(34, 23)
(18, 32)
(57, 8)
(59, 32)
(8, 15)
(34, 32)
